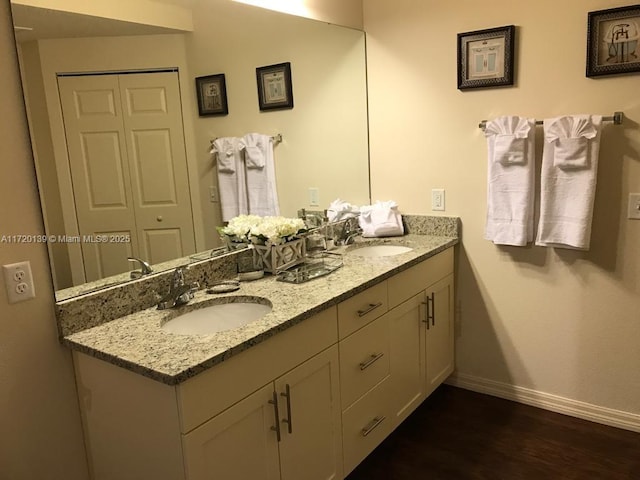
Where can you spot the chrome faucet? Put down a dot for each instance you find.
(180, 292)
(145, 268)
(348, 233)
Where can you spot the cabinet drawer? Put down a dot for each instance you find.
(364, 360)
(406, 284)
(365, 424)
(361, 309)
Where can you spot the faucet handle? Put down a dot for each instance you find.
(145, 268)
(177, 279)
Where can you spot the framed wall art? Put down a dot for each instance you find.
(212, 95)
(486, 58)
(613, 41)
(275, 89)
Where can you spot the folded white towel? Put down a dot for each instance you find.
(231, 176)
(568, 183)
(381, 219)
(511, 162)
(255, 151)
(261, 175)
(571, 137)
(340, 210)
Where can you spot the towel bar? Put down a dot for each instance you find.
(277, 138)
(616, 118)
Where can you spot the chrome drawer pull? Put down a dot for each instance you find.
(370, 308)
(373, 358)
(276, 414)
(287, 395)
(372, 426)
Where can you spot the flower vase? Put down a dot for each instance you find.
(234, 243)
(280, 257)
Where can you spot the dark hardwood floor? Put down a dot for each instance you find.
(459, 434)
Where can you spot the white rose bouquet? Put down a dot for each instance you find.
(276, 230)
(263, 230)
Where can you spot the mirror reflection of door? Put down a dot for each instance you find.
(125, 142)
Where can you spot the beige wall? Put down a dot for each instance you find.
(554, 321)
(41, 433)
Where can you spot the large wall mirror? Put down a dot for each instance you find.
(84, 74)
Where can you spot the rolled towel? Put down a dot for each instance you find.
(382, 219)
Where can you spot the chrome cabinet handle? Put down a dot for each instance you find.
(287, 394)
(431, 312)
(433, 308)
(373, 358)
(274, 402)
(372, 425)
(370, 308)
(426, 312)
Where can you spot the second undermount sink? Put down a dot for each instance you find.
(219, 315)
(379, 250)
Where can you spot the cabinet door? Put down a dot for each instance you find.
(237, 444)
(311, 446)
(407, 338)
(440, 333)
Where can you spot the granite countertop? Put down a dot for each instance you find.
(138, 343)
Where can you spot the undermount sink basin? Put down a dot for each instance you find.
(379, 250)
(226, 314)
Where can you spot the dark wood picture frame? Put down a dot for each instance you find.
(275, 89)
(613, 41)
(212, 95)
(486, 58)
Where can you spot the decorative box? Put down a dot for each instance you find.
(280, 257)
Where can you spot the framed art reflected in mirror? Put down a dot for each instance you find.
(212, 95)
(275, 89)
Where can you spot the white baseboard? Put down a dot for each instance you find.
(554, 403)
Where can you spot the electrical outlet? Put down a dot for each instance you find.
(437, 199)
(314, 197)
(634, 206)
(19, 281)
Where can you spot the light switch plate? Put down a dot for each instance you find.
(314, 197)
(634, 206)
(437, 199)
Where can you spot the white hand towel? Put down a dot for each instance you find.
(381, 219)
(568, 181)
(261, 175)
(231, 176)
(340, 210)
(511, 170)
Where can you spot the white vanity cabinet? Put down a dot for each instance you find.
(289, 429)
(310, 402)
(390, 365)
(218, 424)
(422, 324)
